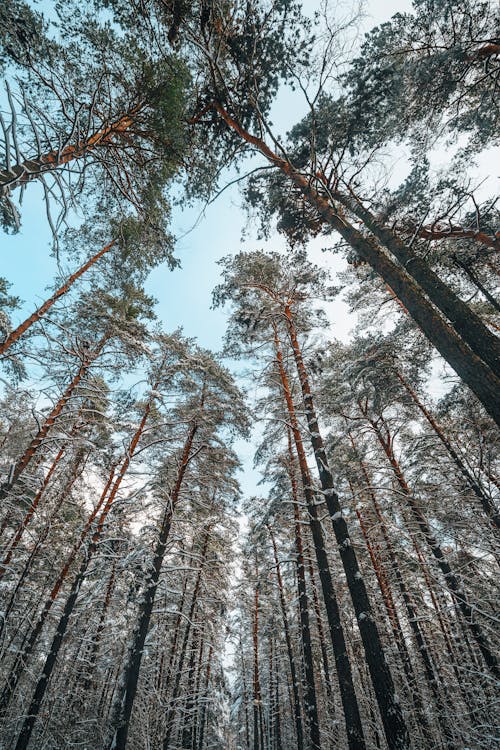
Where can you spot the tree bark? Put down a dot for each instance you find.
(291, 658)
(42, 433)
(177, 683)
(128, 688)
(29, 514)
(40, 312)
(486, 502)
(31, 169)
(469, 325)
(354, 727)
(391, 714)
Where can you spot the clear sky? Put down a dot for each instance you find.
(184, 296)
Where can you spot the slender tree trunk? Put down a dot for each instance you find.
(177, 683)
(121, 720)
(198, 691)
(464, 320)
(451, 579)
(30, 513)
(187, 732)
(258, 739)
(486, 502)
(354, 727)
(310, 700)
(21, 174)
(25, 652)
(390, 710)
(472, 276)
(319, 626)
(92, 658)
(40, 312)
(203, 714)
(291, 658)
(278, 744)
(473, 371)
(41, 687)
(42, 433)
(245, 697)
(399, 639)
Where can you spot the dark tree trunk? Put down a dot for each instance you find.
(390, 710)
(121, 720)
(291, 658)
(486, 502)
(451, 579)
(183, 651)
(203, 713)
(464, 320)
(354, 727)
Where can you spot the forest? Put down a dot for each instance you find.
(287, 539)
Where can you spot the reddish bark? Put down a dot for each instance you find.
(29, 515)
(40, 312)
(24, 461)
(31, 169)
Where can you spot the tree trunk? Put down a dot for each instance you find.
(399, 639)
(27, 456)
(472, 276)
(321, 634)
(29, 515)
(354, 727)
(40, 312)
(310, 700)
(390, 710)
(473, 371)
(50, 661)
(291, 658)
(257, 695)
(21, 174)
(130, 677)
(486, 502)
(175, 692)
(25, 652)
(464, 320)
(451, 579)
(204, 704)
